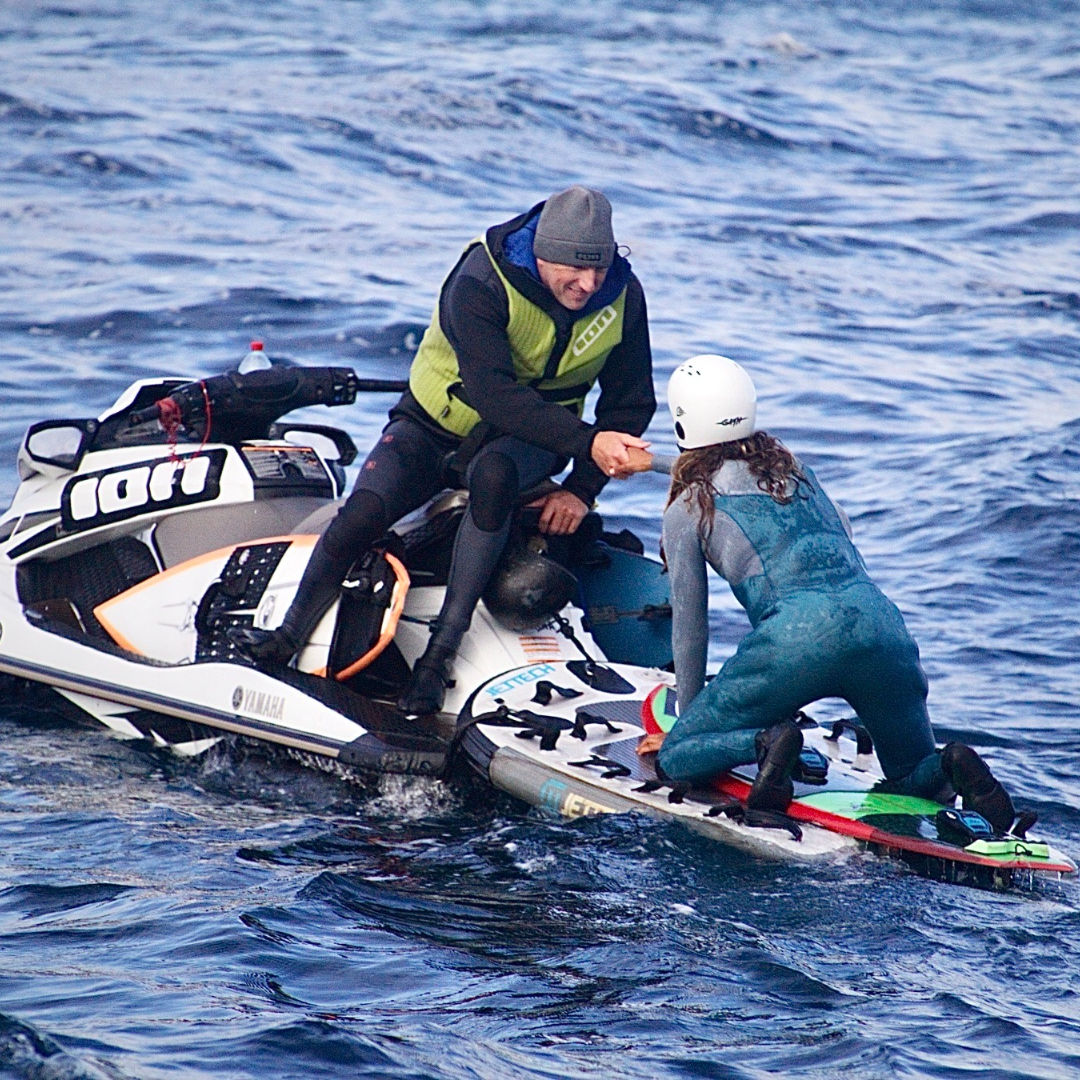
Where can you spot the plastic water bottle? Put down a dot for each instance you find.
(255, 360)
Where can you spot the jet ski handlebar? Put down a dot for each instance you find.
(235, 407)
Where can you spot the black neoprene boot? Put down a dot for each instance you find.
(777, 749)
(427, 685)
(976, 785)
(317, 590)
(266, 647)
(476, 554)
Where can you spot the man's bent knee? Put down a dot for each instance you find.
(360, 522)
(493, 490)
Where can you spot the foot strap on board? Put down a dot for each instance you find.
(584, 718)
(545, 689)
(731, 808)
(598, 677)
(612, 768)
(863, 743)
(679, 788)
(755, 819)
(770, 819)
(548, 728)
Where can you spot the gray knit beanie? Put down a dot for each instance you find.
(575, 229)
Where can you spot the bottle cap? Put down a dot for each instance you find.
(256, 360)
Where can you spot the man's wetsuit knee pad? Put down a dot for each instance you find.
(494, 485)
(360, 522)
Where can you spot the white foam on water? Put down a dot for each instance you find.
(410, 798)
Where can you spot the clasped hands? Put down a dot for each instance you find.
(617, 455)
(620, 455)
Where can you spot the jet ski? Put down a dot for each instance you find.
(138, 539)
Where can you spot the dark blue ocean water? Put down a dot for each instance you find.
(875, 207)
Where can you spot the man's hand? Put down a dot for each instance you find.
(562, 512)
(611, 452)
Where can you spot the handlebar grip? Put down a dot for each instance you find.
(144, 416)
(381, 386)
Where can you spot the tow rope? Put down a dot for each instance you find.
(171, 418)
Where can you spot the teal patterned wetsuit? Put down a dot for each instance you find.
(820, 628)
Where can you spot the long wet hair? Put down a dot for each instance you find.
(769, 460)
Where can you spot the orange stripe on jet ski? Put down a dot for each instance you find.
(101, 612)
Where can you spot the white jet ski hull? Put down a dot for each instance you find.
(122, 571)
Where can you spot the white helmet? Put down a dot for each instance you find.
(712, 400)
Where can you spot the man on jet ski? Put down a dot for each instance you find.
(532, 315)
(741, 503)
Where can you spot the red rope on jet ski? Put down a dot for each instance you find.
(170, 418)
(206, 402)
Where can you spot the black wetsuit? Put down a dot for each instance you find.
(524, 438)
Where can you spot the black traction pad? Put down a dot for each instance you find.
(231, 600)
(622, 711)
(625, 753)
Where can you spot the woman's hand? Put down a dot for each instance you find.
(649, 744)
(611, 451)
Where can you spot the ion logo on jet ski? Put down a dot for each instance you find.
(117, 494)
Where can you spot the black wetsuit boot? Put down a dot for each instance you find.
(358, 524)
(494, 484)
(317, 590)
(476, 554)
(976, 785)
(431, 675)
(777, 750)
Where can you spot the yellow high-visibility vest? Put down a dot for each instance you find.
(435, 377)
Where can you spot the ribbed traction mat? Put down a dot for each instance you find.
(379, 717)
(394, 744)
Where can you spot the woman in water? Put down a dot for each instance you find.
(741, 503)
